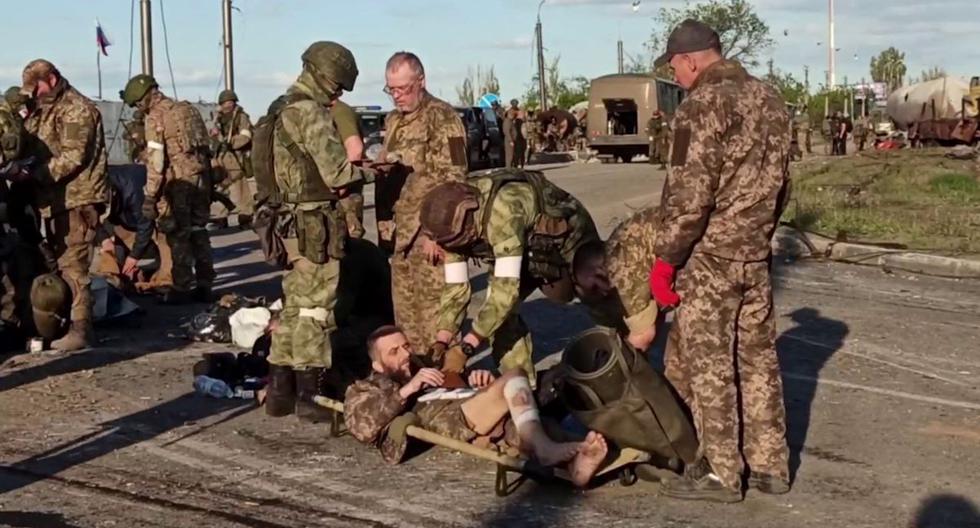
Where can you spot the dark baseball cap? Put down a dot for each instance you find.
(689, 36)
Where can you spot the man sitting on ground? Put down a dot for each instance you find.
(372, 404)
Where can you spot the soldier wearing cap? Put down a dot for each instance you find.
(233, 135)
(70, 168)
(177, 193)
(725, 190)
(311, 173)
(528, 230)
(427, 137)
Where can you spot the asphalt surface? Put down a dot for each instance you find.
(881, 373)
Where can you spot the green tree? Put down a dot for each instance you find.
(889, 67)
(562, 92)
(792, 90)
(936, 72)
(744, 35)
(477, 83)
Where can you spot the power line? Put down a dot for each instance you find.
(166, 47)
(129, 73)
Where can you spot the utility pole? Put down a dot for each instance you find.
(806, 84)
(832, 59)
(229, 55)
(542, 82)
(619, 53)
(146, 36)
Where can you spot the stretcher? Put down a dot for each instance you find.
(623, 465)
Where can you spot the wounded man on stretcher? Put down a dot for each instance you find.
(499, 410)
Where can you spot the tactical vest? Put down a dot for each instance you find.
(192, 139)
(611, 388)
(550, 237)
(275, 189)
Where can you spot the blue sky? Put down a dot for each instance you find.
(452, 36)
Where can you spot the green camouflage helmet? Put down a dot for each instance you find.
(50, 302)
(331, 64)
(227, 95)
(15, 98)
(137, 88)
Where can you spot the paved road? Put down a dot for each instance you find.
(881, 374)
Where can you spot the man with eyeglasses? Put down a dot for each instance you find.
(426, 137)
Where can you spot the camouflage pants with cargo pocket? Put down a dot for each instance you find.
(721, 358)
(183, 219)
(416, 287)
(302, 339)
(71, 236)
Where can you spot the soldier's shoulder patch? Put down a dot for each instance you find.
(457, 151)
(681, 143)
(73, 131)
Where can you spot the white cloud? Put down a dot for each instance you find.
(516, 43)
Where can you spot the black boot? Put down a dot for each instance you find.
(768, 484)
(280, 397)
(700, 483)
(244, 221)
(308, 387)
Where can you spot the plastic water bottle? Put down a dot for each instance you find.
(214, 388)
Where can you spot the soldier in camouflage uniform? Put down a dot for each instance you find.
(528, 230)
(656, 132)
(504, 410)
(311, 173)
(427, 137)
(532, 131)
(349, 128)
(803, 122)
(719, 208)
(135, 130)
(70, 166)
(611, 278)
(177, 194)
(231, 161)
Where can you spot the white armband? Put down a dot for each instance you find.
(507, 268)
(246, 133)
(153, 145)
(456, 273)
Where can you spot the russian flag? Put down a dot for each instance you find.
(100, 39)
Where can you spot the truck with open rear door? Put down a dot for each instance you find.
(620, 106)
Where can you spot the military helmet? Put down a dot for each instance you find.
(15, 98)
(227, 95)
(331, 64)
(514, 102)
(50, 302)
(137, 88)
(444, 210)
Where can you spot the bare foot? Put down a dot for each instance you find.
(588, 459)
(552, 453)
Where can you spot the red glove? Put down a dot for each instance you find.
(662, 284)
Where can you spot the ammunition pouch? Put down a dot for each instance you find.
(272, 228)
(321, 233)
(611, 388)
(544, 248)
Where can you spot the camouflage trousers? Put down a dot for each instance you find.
(416, 287)
(309, 290)
(71, 235)
(183, 217)
(352, 206)
(721, 358)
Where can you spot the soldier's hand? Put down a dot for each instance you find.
(433, 253)
(427, 377)
(437, 351)
(479, 379)
(131, 268)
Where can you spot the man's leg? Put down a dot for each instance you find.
(416, 287)
(763, 412)
(241, 193)
(77, 235)
(175, 223)
(706, 326)
(163, 277)
(511, 347)
(200, 239)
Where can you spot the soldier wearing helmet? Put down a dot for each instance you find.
(427, 136)
(70, 171)
(177, 193)
(233, 136)
(528, 230)
(311, 173)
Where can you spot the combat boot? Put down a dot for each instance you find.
(768, 484)
(280, 398)
(699, 482)
(176, 297)
(79, 336)
(307, 388)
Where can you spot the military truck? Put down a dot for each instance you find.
(620, 106)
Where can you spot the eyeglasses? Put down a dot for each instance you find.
(401, 90)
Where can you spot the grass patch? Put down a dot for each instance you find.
(918, 199)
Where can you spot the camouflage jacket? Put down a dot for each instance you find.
(432, 142)
(235, 139)
(629, 256)
(728, 168)
(309, 124)
(176, 144)
(136, 139)
(654, 127)
(370, 405)
(503, 243)
(70, 153)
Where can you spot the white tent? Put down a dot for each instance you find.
(937, 99)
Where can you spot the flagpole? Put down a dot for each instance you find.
(98, 67)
